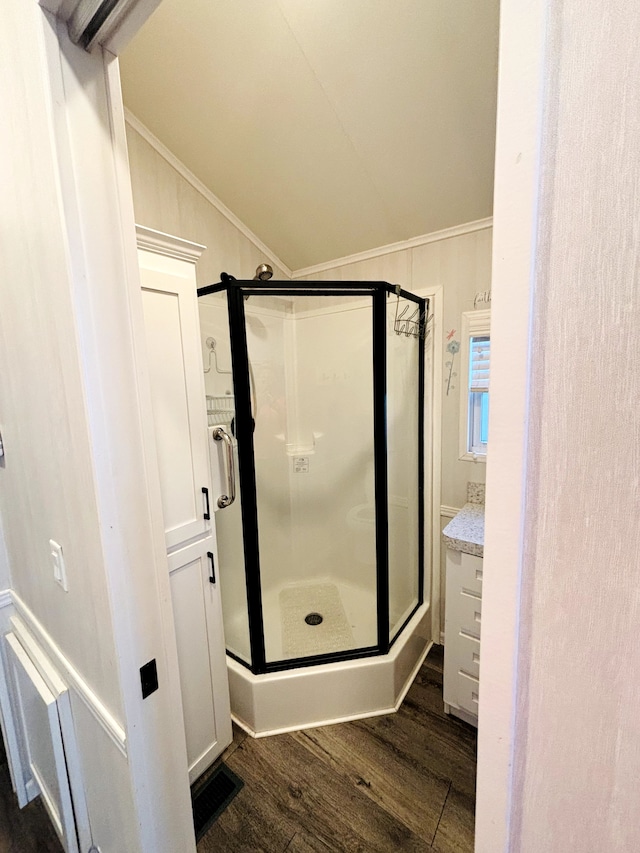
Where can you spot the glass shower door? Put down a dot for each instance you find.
(310, 364)
(405, 360)
(221, 412)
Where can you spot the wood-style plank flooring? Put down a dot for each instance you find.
(400, 782)
(405, 781)
(23, 831)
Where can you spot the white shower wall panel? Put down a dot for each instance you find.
(334, 390)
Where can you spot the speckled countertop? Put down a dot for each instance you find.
(465, 531)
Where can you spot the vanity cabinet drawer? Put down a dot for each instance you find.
(471, 573)
(466, 571)
(469, 614)
(468, 655)
(467, 690)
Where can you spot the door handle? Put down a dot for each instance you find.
(207, 513)
(220, 434)
(212, 576)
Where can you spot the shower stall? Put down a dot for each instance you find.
(316, 410)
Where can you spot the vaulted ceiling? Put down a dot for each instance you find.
(327, 126)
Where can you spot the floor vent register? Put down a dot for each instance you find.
(211, 798)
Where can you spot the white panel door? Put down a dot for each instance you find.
(175, 367)
(42, 739)
(195, 596)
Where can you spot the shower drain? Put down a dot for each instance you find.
(313, 619)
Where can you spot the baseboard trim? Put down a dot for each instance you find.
(448, 511)
(71, 676)
(6, 599)
(32, 790)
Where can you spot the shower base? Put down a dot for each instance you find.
(310, 696)
(347, 611)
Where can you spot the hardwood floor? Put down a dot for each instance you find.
(23, 831)
(405, 781)
(400, 782)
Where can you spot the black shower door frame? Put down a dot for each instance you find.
(236, 292)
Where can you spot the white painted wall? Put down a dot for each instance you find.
(71, 397)
(333, 391)
(578, 747)
(46, 484)
(5, 571)
(559, 752)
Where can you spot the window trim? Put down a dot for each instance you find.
(474, 324)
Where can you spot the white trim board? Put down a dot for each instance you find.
(524, 72)
(448, 511)
(401, 246)
(168, 245)
(204, 191)
(435, 293)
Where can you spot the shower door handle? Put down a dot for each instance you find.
(220, 434)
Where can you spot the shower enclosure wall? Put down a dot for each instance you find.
(315, 398)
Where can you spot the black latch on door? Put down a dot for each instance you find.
(149, 678)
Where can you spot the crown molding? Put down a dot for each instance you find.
(168, 245)
(204, 191)
(401, 246)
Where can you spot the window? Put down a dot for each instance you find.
(474, 403)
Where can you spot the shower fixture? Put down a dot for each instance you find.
(211, 346)
(263, 273)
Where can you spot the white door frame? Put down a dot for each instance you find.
(521, 66)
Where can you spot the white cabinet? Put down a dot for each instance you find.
(199, 634)
(175, 370)
(463, 613)
(172, 330)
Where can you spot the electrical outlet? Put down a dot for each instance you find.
(59, 568)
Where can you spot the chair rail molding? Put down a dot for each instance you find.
(68, 672)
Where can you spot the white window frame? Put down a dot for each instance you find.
(475, 324)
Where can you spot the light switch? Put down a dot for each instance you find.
(59, 568)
